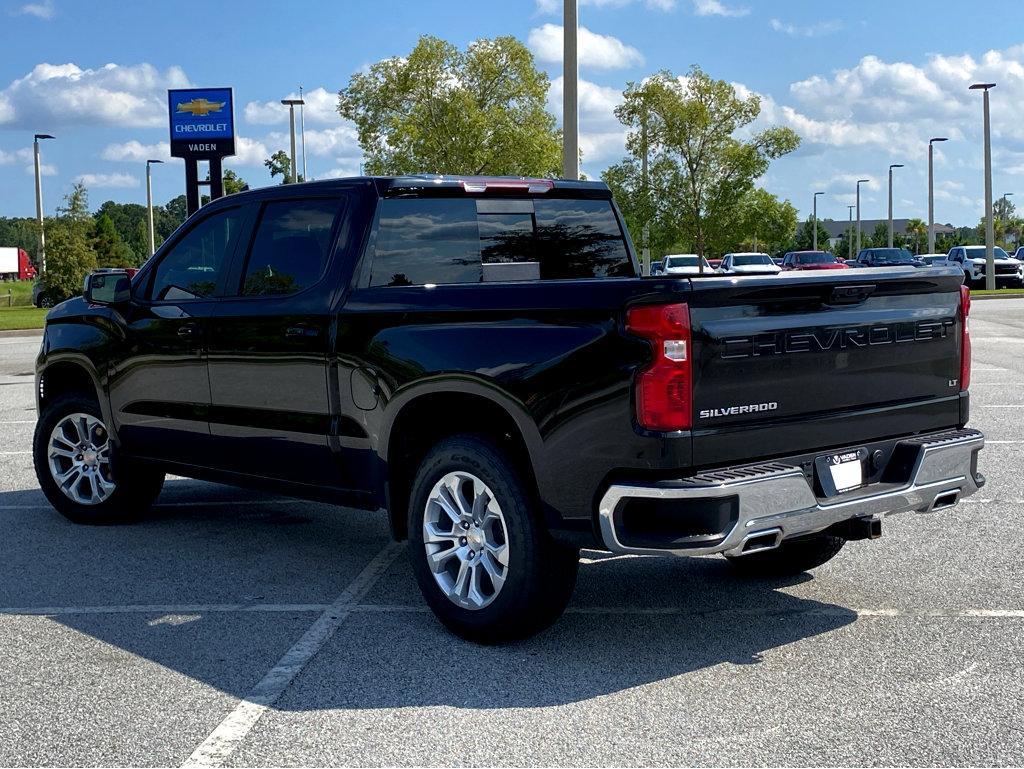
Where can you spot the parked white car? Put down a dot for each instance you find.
(1009, 271)
(685, 264)
(748, 263)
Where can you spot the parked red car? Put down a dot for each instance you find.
(812, 260)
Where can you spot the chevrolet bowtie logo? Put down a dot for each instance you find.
(200, 107)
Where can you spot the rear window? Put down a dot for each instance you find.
(749, 260)
(432, 240)
(978, 252)
(815, 257)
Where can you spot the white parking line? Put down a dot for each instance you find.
(292, 608)
(189, 608)
(208, 503)
(228, 735)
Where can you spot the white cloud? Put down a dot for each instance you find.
(338, 141)
(718, 8)
(342, 171)
(137, 152)
(66, 94)
(248, 152)
(555, 6)
(46, 169)
(23, 155)
(321, 109)
(806, 30)
(41, 10)
(107, 180)
(846, 182)
(595, 51)
(602, 136)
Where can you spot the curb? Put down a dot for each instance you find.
(983, 297)
(22, 332)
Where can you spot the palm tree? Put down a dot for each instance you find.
(916, 229)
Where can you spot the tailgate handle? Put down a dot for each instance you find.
(850, 294)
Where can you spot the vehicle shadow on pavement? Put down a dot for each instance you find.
(633, 621)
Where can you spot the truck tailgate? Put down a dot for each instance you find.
(788, 364)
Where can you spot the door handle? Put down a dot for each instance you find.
(301, 330)
(188, 330)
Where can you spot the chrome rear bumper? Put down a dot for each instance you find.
(776, 501)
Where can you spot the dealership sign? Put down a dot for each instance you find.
(202, 122)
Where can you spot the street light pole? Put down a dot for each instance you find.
(859, 182)
(849, 231)
(815, 215)
(302, 133)
(570, 107)
(990, 235)
(291, 103)
(894, 165)
(931, 195)
(41, 254)
(149, 203)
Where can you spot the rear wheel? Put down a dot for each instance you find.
(484, 563)
(76, 469)
(789, 558)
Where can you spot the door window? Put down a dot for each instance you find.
(290, 249)
(193, 266)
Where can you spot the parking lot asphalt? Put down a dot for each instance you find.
(236, 628)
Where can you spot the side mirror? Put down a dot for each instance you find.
(107, 288)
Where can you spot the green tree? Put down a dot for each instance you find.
(21, 233)
(764, 223)
(879, 238)
(804, 240)
(916, 239)
(177, 211)
(442, 110)
(110, 248)
(691, 127)
(69, 252)
(232, 182)
(280, 163)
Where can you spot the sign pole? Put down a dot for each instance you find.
(216, 179)
(191, 186)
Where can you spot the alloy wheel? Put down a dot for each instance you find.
(79, 459)
(466, 540)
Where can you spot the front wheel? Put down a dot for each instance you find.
(485, 564)
(789, 558)
(74, 463)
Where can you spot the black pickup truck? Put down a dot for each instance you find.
(480, 358)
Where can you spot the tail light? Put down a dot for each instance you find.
(965, 338)
(664, 389)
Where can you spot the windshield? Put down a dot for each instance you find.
(815, 257)
(978, 252)
(890, 255)
(682, 261)
(746, 260)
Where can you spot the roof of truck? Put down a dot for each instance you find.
(422, 185)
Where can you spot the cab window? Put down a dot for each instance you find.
(290, 248)
(194, 265)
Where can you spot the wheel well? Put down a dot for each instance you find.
(62, 378)
(425, 421)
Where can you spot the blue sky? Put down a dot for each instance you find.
(865, 84)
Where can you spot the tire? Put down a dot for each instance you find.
(538, 576)
(789, 558)
(46, 302)
(108, 491)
